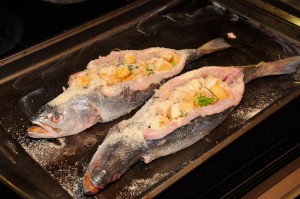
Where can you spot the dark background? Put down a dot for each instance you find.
(25, 23)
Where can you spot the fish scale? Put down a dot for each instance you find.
(185, 136)
(114, 106)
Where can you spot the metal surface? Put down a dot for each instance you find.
(291, 6)
(263, 13)
(292, 3)
(21, 173)
(34, 77)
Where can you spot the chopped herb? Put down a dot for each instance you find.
(183, 113)
(130, 67)
(149, 71)
(205, 101)
(116, 49)
(173, 63)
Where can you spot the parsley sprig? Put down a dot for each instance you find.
(149, 71)
(205, 101)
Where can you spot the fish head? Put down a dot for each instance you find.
(64, 119)
(112, 159)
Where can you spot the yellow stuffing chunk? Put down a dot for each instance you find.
(216, 87)
(175, 59)
(219, 91)
(129, 77)
(174, 112)
(84, 81)
(141, 69)
(107, 71)
(187, 101)
(167, 55)
(129, 58)
(170, 57)
(123, 71)
(161, 64)
(185, 97)
(92, 74)
(194, 86)
(163, 121)
(112, 80)
(186, 107)
(210, 82)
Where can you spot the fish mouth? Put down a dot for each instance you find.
(88, 186)
(42, 131)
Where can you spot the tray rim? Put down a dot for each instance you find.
(164, 185)
(271, 17)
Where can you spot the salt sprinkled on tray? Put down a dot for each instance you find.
(50, 155)
(138, 186)
(44, 151)
(70, 181)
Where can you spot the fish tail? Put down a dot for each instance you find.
(207, 48)
(213, 46)
(280, 67)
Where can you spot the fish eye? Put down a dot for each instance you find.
(57, 117)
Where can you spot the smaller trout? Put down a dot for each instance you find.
(182, 111)
(111, 87)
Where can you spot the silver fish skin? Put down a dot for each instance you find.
(121, 148)
(77, 109)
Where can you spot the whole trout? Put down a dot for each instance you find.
(111, 87)
(181, 112)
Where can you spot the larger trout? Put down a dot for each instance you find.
(180, 113)
(112, 86)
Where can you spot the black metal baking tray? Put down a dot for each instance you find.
(54, 168)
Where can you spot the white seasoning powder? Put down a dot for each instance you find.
(138, 186)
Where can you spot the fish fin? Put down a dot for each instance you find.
(280, 67)
(214, 45)
(297, 75)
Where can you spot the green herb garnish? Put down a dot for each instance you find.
(205, 101)
(149, 71)
(130, 67)
(173, 63)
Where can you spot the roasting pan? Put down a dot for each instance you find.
(54, 168)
